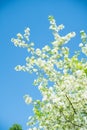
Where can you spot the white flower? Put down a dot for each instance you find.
(28, 99)
(34, 128)
(85, 95)
(60, 27)
(79, 73)
(46, 48)
(45, 98)
(29, 129)
(19, 36)
(27, 33)
(40, 86)
(30, 117)
(81, 45)
(27, 30)
(38, 52)
(84, 50)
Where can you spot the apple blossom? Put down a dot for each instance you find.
(61, 79)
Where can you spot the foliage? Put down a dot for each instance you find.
(15, 127)
(61, 79)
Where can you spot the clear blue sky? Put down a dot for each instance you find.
(15, 16)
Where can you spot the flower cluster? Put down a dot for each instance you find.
(83, 45)
(61, 79)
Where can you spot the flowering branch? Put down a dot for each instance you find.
(61, 80)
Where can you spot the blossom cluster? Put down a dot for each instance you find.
(61, 79)
(83, 45)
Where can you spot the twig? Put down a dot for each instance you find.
(71, 104)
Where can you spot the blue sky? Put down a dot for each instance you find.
(15, 16)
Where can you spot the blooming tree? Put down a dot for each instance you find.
(61, 79)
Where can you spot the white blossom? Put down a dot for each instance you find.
(61, 80)
(28, 99)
